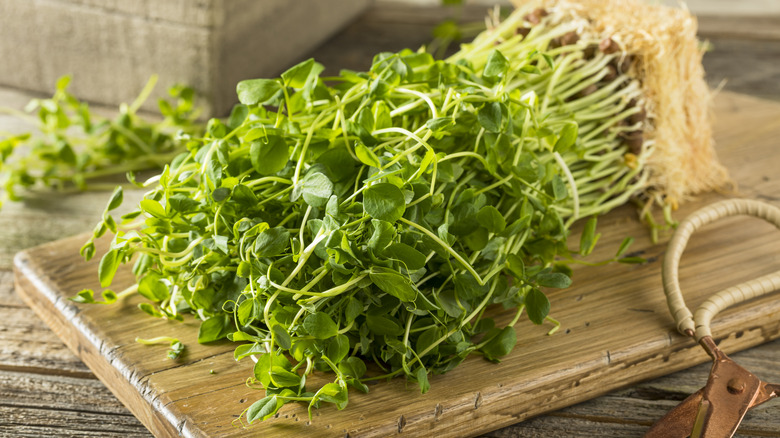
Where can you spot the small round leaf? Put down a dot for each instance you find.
(384, 201)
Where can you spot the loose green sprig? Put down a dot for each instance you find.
(376, 216)
(177, 348)
(74, 149)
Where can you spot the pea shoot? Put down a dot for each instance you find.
(375, 216)
(75, 150)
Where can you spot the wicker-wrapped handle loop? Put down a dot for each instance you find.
(699, 323)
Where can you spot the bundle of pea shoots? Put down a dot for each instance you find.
(375, 216)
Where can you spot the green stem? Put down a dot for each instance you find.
(447, 248)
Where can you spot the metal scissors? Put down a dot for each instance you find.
(717, 409)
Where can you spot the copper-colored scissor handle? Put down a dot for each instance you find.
(716, 410)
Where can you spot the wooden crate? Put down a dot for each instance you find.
(112, 47)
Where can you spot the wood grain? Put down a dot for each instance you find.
(629, 412)
(45, 405)
(27, 344)
(616, 332)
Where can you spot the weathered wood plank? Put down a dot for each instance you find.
(34, 221)
(26, 343)
(34, 405)
(37, 405)
(629, 412)
(746, 66)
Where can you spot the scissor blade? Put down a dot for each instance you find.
(731, 390)
(767, 392)
(678, 423)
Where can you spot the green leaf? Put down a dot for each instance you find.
(87, 296)
(383, 234)
(338, 348)
(353, 308)
(257, 91)
(282, 378)
(624, 246)
(220, 194)
(262, 409)
(110, 223)
(548, 60)
(449, 303)
(153, 288)
(116, 199)
(281, 336)
(421, 375)
(492, 219)
(365, 119)
(332, 393)
(426, 339)
(384, 201)
(353, 366)
(272, 242)
(484, 325)
(316, 189)
(297, 75)
(502, 344)
(108, 266)
(213, 173)
(530, 69)
(88, 250)
(220, 244)
(213, 329)
(245, 312)
(244, 196)
(439, 123)
(245, 350)
(556, 280)
(537, 305)
(150, 310)
(516, 266)
(269, 155)
(383, 326)
(109, 296)
(426, 161)
(177, 348)
(320, 325)
(393, 283)
(63, 82)
(496, 66)
(238, 114)
(468, 288)
(153, 208)
(567, 137)
(632, 260)
(412, 258)
(490, 117)
(367, 156)
(589, 237)
(559, 190)
(182, 204)
(266, 363)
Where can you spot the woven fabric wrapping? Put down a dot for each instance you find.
(699, 321)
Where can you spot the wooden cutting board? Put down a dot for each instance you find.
(616, 328)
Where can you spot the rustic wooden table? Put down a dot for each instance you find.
(46, 391)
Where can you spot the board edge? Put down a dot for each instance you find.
(66, 324)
